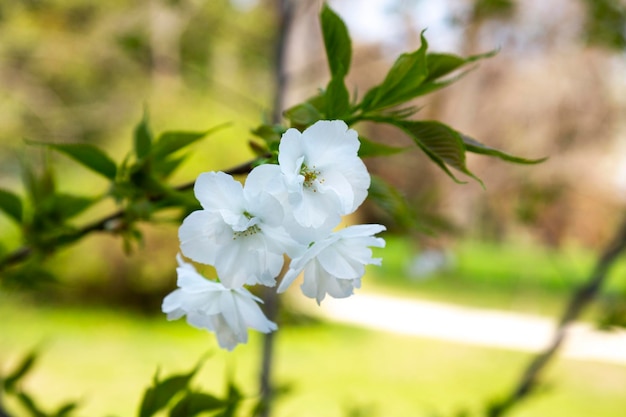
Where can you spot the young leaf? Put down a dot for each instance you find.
(337, 99)
(369, 148)
(472, 145)
(86, 154)
(336, 41)
(142, 138)
(195, 403)
(402, 81)
(11, 204)
(443, 64)
(442, 144)
(22, 369)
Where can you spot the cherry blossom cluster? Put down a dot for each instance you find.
(287, 212)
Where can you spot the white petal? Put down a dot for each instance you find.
(217, 190)
(330, 142)
(340, 265)
(198, 235)
(290, 152)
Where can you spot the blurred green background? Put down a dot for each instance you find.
(83, 72)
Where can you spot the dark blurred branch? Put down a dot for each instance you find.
(107, 223)
(580, 299)
(284, 14)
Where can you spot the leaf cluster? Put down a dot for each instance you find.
(138, 185)
(176, 395)
(11, 386)
(412, 75)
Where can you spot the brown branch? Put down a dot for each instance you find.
(579, 301)
(107, 223)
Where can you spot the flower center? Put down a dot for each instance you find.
(252, 230)
(310, 176)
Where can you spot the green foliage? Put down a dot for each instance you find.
(411, 76)
(87, 155)
(137, 184)
(606, 23)
(11, 387)
(176, 394)
(11, 205)
(337, 42)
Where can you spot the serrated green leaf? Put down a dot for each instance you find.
(87, 155)
(440, 65)
(404, 78)
(337, 99)
(20, 370)
(142, 138)
(11, 204)
(195, 403)
(369, 148)
(336, 41)
(472, 145)
(442, 144)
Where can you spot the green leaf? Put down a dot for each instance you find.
(71, 205)
(195, 403)
(86, 154)
(336, 41)
(164, 168)
(337, 99)
(443, 64)
(391, 201)
(18, 373)
(303, 115)
(11, 204)
(442, 144)
(159, 395)
(369, 148)
(143, 138)
(170, 142)
(472, 145)
(66, 409)
(269, 133)
(402, 81)
(30, 405)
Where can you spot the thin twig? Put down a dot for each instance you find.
(104, 224)
(580, 299)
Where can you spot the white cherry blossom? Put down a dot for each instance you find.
(335, 265)
(210, 305)
(323, 175)
(238, 231)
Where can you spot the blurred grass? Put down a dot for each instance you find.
(513, 276)
(106, 358)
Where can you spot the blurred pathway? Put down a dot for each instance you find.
(474, 326)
